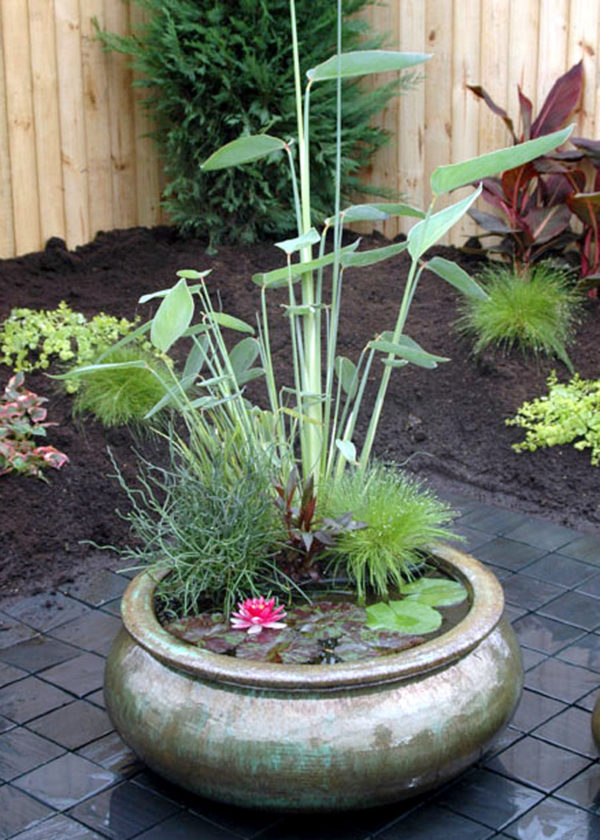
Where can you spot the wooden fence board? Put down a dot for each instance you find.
(73, 158)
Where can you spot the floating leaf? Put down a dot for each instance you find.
(407, 616)
(435, 592)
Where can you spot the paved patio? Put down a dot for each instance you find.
(66, 775)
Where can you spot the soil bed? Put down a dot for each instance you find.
(447, 424)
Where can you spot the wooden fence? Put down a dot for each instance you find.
(74, 159)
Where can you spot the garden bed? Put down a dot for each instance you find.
(448, 423)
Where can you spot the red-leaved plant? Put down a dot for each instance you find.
(23, 418)
(538, 199)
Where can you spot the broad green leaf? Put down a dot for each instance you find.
(427, 232)
(435, 592)
(173, 317)
(164, 292)
(229, 322)
(447, 178)
(457, 277)
(373, 256)
(80, 371)
(408, 349)
(279, 277)
(348, 450)
(375, 211)
(243, 356)
(249, 375)
(192, 273)
(243, 150)
(346, 372)
(290, 246)
(409, 617)
(360, 62)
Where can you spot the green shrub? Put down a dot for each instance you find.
(402, 518)
(569, 413)
(534, 312)
(32, 339)
(124, 395)
(219, 69)
(213, 525)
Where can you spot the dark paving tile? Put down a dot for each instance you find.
(583, 790)
(574, 608)
(97, 588)
(489, 798)
(97, 698)
(80, 676)
(6, 724)
(561, 680)
(21, 751)
(570, 729)
(588, 701)
(591, 586)
(545, 634)
(113, 607)
(534, 709)
(508, 737)
(513, 613)
(38, 653)
(66, 781)
(553, 820)
(74, 725)
(531, 658)
(43, 612)
(19, 812)
(58, 828)
(111, 753)
(13, 631)
(185, 827)
(538, 764)
(585, 547)
(124, 811)
(433, 823)
(252, 823)
(542, 534)
(9, 674)
(584, 652)
(471, 537)
(95, 632)
(26, 699)
(560, 570)
(508, 554)
(492, 520)
(527, 592)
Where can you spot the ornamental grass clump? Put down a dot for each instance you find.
(302, 435)
(534, 311)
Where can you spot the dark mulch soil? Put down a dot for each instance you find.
(449, 422)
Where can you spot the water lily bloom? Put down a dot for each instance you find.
(254, 614)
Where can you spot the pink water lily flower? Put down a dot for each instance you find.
(257, 613)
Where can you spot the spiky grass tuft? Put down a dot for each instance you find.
(534, 312)
(123, 396)
(401, 517)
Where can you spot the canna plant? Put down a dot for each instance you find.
(309, 423)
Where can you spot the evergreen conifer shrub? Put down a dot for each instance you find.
(218, 69)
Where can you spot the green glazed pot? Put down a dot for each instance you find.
(596, 723)
(315, 737)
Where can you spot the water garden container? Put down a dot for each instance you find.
(316, 737)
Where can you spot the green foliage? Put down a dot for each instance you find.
(119, 396)
(23, 418)
(535, 311)
(415, 612)
(218, 69)
(402, 518)
(212, 524)
(570, 413)
(32, 339)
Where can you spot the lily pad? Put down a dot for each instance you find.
(408, 616)
(435, 592)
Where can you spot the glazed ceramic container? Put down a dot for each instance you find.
(315, 737)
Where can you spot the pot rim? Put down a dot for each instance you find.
(487, 605)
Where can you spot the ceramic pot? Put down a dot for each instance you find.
(596, 723)
(315, 737)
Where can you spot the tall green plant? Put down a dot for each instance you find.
(314, 419)
(218, 69)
